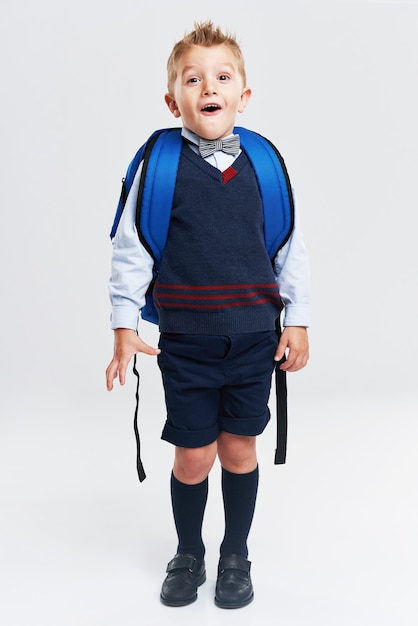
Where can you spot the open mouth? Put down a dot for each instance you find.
(210, 108)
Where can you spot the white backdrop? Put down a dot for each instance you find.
(334, 86)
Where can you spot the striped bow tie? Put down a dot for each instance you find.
(230, 145)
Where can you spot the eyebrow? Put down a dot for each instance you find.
(190, 68)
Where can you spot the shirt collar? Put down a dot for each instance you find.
(192, 137)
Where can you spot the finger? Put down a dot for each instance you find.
(146, 349)
(151, 351)
(111, 373)
(280, 352)
(122, 373)
(288, 367)
(289, 363)
(294, 362)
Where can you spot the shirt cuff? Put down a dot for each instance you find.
(296, 315)
(124, 317)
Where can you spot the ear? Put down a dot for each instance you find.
(172, 105)
(245, 96)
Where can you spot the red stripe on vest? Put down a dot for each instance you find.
(216, 287)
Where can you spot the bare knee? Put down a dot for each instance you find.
(237, 453)
(192, 465)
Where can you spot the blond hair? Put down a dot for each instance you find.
(204, 34)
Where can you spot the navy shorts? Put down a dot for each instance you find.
(215, 383)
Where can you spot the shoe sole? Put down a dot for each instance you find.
(222, 605)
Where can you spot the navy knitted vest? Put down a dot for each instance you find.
(216, 276)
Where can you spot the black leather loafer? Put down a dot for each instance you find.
(234, 588)
(185, 573)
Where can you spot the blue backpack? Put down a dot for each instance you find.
(160, 155)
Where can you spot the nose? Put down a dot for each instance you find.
(209, 87)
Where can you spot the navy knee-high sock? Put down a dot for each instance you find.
(239, 494)
(189, 503)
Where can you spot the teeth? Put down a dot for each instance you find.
(211, 107)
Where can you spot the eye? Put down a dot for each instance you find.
(192, 80)
(223, 77)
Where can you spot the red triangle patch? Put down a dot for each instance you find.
(228, 174)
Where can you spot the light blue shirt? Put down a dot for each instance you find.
(132, 264)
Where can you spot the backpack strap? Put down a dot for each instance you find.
(279, 216)
(126, 187)
(281, 414)
(139, 466)
(281, 406)
(275, 188)
(129, 177)
(156, 190)
(161, 155)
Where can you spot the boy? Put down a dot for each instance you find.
(218, 297)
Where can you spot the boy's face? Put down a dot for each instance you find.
(208, 91)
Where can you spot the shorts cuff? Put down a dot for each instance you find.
(249, 427)
(189, 438)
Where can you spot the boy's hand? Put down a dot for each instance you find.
(294, 339)
(127, 343)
